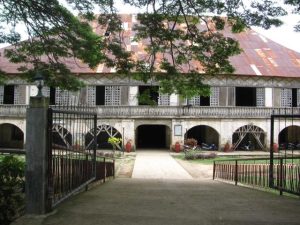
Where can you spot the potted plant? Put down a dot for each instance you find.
(114, 142)
(128, 146)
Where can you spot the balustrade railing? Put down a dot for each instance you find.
(165, 111)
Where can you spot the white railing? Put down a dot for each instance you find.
(164, 111)
(13, 110)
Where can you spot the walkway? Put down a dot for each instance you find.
(151, 164)
(171, 201)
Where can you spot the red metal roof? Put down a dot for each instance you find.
(261, 56)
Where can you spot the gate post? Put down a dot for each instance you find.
(37, 201)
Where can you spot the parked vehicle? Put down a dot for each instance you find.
(205, 146)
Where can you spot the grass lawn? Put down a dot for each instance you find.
(220, 158)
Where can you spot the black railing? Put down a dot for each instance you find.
(255, 172)
(71, 165)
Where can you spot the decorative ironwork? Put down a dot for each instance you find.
(255, 131)
(108, 130)
(71, 165)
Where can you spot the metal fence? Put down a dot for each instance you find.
(255, 172)
(71, 165)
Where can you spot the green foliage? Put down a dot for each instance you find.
(114, 141)
(11, 188)
(181, 39)
(194, 154)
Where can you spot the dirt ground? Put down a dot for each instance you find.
(124, 165)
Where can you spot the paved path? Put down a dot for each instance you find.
(166, 201)
(151, 164)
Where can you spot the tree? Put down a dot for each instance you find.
(177, 41)
(296, 5)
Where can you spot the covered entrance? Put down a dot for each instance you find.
(153, 136)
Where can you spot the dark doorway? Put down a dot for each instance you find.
(203, 134)
(152, 136)
(11, 136)
(289, 135)
(245, 96)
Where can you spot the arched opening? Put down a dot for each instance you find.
(61, 136)
(289, 137)
(11, 136)
(153, 136)
(104, 132)
(248, 138)
(204, 135)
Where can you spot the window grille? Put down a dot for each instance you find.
(260, 97)
(194, 101)
(112, 95)
(61, 97)
(163, 99)
(214, 97)
(1, 94)
(17, 93)
(91, 95)
(46, 91)
(286, 97)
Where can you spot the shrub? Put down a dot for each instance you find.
(190, 155)
(190, 142)
(11, 188)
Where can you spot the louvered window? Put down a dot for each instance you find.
(112, 95)
(163, 99)
(286, 97)
(214, 97)
(260, 97)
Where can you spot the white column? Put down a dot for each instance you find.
(268, 97)
(133, 93)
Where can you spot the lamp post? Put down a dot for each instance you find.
(39, 82)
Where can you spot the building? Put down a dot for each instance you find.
(267, 80)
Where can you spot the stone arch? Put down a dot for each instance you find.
(153, 135)
(249, 137)
(61, 136)
(104, 132)
(11, 136)
(204, 134)
(289, 134)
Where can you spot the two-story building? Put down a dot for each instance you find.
(266, 80)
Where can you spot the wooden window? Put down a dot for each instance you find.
(91, 95)
(1, 94)
(112, 95)
(286, 97)
(214, 97)
(163, 99)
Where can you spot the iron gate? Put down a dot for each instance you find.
(72, 166)
(285, 174)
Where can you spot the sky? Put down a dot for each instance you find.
(284, 35)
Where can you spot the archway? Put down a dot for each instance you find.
(61, 136)
(153, 136)
(289, 137)
(204, 134)
(11, 136)
(103, 133)
(248, 137)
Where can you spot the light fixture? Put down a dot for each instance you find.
(39, 82)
